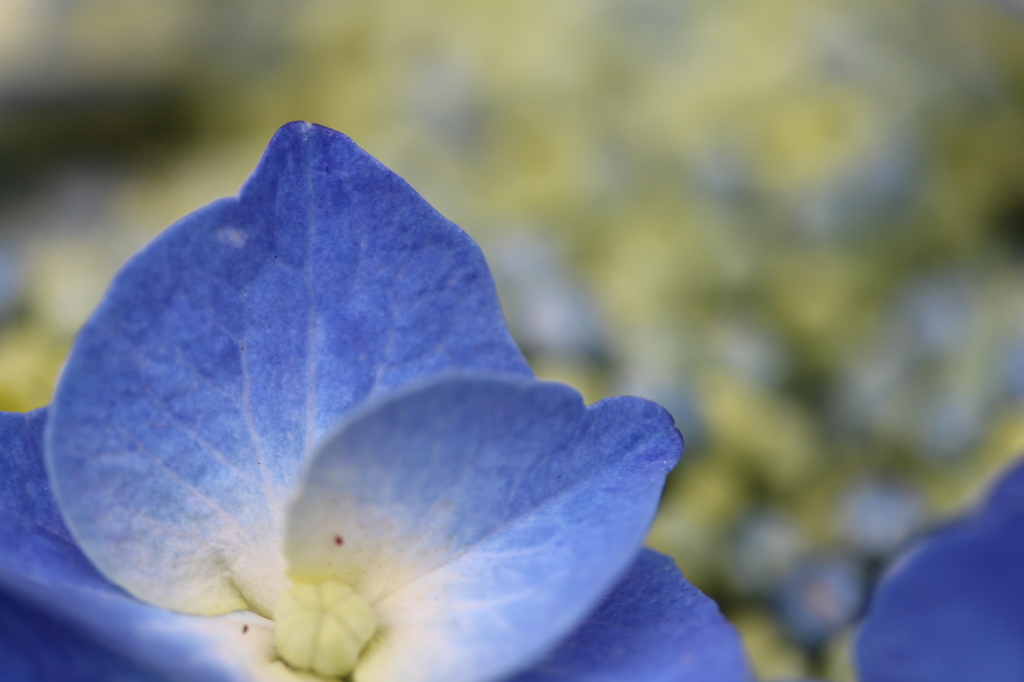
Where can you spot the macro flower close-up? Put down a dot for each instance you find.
(296, 441)
(951, 609)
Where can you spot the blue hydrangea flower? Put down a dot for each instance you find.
(312, 383)
(953, 609)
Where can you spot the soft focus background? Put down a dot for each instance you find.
(798, 224)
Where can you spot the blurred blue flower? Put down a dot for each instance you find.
(549, 311)
(312, 384)
(953, 608)
(823, 595)
(877, 514)
(765, 550)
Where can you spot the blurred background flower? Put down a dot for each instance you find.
(798, 224)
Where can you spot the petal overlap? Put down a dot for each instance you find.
(227, 347)
(48, 588)
(38, 648)
(654, 626)
(326, 338)
(483, 516)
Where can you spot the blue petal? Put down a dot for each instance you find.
(953, 610)
(51, 595)
(482, 516)
(37, 648)
(653, 627)
(232, 343)
(35, 546)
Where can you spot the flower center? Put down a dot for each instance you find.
(323, 628)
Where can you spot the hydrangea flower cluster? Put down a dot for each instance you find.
(304, 402)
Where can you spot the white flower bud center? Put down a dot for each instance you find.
(323, 628)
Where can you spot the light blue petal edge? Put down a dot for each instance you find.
(473, 490)
(231, 344)
(654, 626)
(46, 581)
